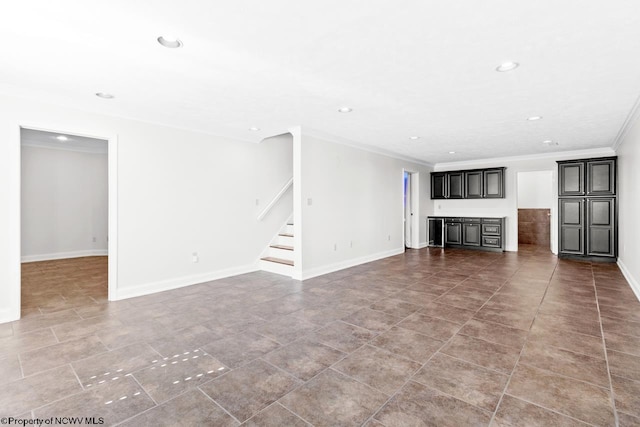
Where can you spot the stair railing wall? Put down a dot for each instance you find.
(273, 202)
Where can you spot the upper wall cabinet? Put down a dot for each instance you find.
(468, 184)
(591, 178)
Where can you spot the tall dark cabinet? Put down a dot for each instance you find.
(587, 209)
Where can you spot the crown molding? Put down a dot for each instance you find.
(628, 123)
(349, 143)
(591, 152)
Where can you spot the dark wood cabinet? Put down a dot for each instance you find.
(452, 233)
(601, 215)
(587, 208)
(493, 181)
(473, 184)
(571, 179)
(468, 184)
(601, 178)
(473, 233)
(571, 226)
(438, 185)
(455, 185)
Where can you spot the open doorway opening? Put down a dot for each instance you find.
(64, 221)
(535, 207)
(411, 224)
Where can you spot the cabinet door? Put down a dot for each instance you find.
(438, 186)
(471, 234)
(453, 233)
(601, 177)
(493, 183)
(571, 226)
(473, 184)
(601, 238)
(455, 181)
(571, 179)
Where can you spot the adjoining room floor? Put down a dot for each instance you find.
(431, 337)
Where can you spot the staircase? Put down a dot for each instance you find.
(279, 255)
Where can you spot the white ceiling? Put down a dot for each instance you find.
(412, 67)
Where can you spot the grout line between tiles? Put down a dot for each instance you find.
(216, 403)
(612, 396)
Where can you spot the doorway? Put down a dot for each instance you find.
(410, 221)
(535, 207)
(67, 216)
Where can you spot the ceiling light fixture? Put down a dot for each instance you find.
(104, 95)
(62, 138)
(414, 137)
(345, 110)
(452, 152)
(549, 142)
(534, 118)
(254, 129)
(170, 42)
(507, 66)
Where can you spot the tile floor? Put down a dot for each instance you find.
(450, 338)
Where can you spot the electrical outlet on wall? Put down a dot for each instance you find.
(389, 237)
(195, 258)
(335, 246)
(94, 240)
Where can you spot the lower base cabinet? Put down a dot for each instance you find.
(474, 233)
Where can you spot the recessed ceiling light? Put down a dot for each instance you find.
(452, 152)
(507, 66)
(549, 142)
(414, 137)
(534, 118)
(104, 95)
(345, 110)
(62, 138)
(170, 42)
(254, 129)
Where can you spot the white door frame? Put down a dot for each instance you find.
(414, 197)
(553, 219)
(112, 141)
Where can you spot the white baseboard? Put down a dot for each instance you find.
(422, 245)
(65, 255)
(181, 282)
(635, 286)
(319, 271)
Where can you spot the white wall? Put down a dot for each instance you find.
(535, 190)
(629, 203)
(64, 203)
(178, 192)
(508, 207)
(356, 210)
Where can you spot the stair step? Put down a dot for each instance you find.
(278, 260)
(285, 235)
(284, 247)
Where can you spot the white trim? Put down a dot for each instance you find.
(65, 255)
(627, 124)
(112, 144)
(344, 141)
(272, 203)
(633, 283)
(330, 268)
(422, 245)
(181, 282)
(8, 316)
(591, 152)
